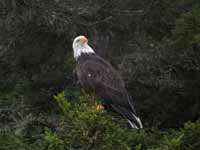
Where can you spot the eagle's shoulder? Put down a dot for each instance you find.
(87, 58)
(95, 62)
(100, 71)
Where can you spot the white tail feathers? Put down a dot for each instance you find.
(133, 125)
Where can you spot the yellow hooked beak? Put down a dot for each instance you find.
(83, 40)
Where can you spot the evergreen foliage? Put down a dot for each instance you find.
(154, 44)
(82, 126)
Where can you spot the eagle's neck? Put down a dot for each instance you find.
(84, 49)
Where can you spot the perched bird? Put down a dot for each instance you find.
(97, 75)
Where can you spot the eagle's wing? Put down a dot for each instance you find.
(98, 75)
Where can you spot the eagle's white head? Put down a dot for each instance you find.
(80, 45)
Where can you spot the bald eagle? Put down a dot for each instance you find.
(97, 75)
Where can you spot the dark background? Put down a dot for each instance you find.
(154, 44)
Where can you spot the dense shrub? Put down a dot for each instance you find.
(154, 44)
(82, 126)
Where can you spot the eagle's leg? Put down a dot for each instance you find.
(95, 101)
(99, 107)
